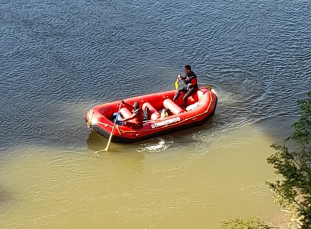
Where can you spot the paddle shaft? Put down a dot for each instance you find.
(114, 124)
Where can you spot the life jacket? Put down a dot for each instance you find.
(136, 122)
(193, 81)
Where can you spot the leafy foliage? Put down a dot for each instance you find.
(295, 167)
(251, 222)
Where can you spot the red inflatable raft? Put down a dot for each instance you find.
(201, 107)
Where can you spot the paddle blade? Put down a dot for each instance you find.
(176, 85)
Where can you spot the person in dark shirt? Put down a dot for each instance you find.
(136, 119)
(191, 87)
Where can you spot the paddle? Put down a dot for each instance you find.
(176, 82)
(114, 124)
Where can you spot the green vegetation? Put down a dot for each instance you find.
(294, 190)
(251, 222)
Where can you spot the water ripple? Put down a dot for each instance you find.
(68, 56)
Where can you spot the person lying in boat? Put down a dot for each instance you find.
(116, 117)
(190, 80)
(164, 113)
(134, 121)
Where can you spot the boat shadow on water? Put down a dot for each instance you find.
(179, 139)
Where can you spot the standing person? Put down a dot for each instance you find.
(190, 80)
(136, 119)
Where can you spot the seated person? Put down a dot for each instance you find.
(190, 80)
(134, 121)
(146, 113)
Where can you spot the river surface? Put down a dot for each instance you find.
(60, 58)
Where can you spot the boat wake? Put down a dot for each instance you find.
(160, 146)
